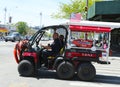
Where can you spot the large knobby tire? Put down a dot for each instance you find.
(26, 68)
(86, 71)
(65, 70)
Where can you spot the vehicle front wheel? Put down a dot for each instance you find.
(86, 71)
(13, 40)
(65, 70)
(26, 68)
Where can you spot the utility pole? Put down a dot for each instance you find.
(5, 9)
(86, 9)
(40, 19)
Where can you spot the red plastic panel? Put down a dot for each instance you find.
(89, 28)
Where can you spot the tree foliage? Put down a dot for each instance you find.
(76, 6)
(22, 27)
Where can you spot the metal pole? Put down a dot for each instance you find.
(86, 8)
(40, 19)
(5, 9)
(87, 3)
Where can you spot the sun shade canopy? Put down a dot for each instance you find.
(80, 28)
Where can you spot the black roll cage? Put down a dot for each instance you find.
(38, 35)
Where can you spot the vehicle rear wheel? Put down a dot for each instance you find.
(86, 71)
(26, 68)
(65, 70)
(6, 40)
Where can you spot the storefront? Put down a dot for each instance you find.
(3, 30)
(107, 11)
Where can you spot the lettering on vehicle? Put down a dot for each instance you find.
(87, 54)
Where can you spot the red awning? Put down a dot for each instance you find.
(89, 28)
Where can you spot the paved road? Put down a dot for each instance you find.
(107, 75)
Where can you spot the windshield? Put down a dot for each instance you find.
(14, 34)
(45, 35)
(36, 37)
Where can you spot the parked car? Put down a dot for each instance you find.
(14, 36)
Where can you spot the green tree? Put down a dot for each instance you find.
(22, 27)
(76, 6)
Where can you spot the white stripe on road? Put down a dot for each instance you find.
(85, 84)
(93, 84)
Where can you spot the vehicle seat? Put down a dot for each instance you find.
(60, 53)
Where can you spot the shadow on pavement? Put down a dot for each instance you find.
(45, 74)
(107, 79)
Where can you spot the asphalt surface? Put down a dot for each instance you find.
(107, 75)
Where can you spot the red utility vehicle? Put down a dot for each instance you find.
(84, 44)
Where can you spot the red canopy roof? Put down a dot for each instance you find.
(89, 28)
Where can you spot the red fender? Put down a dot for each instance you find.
(16, 53)
(18, 47)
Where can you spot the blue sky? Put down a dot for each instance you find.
(29, 11)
